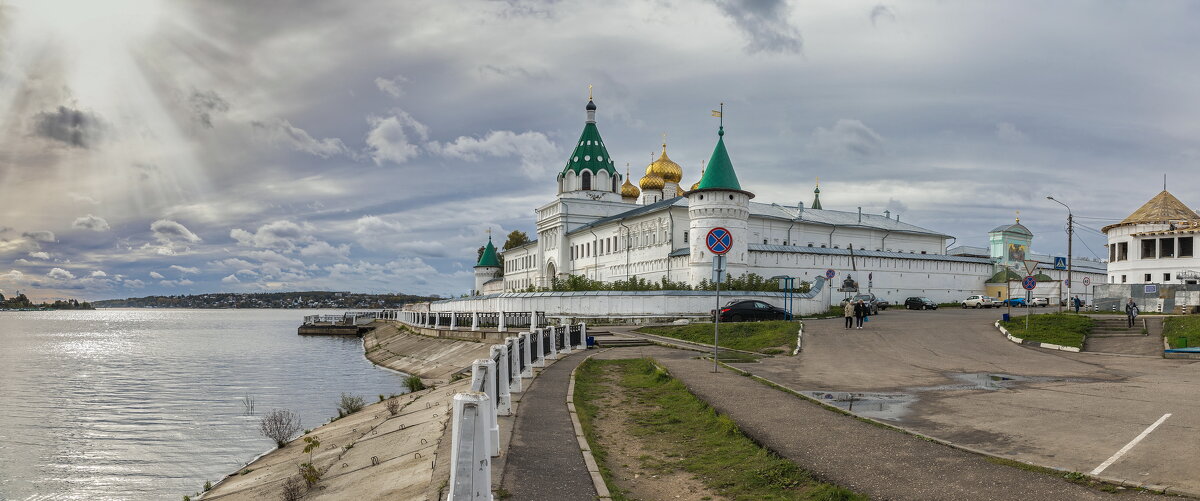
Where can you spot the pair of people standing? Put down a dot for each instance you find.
(855, 312)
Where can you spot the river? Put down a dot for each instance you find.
(137, 404)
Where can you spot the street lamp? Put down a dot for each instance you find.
(1070, 239)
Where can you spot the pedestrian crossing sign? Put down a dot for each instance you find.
(1060, 263)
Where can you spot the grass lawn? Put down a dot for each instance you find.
(691, 436)
(750, 336)
(1186, 327)
(1055, 328)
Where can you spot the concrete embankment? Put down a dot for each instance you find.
(373, 453)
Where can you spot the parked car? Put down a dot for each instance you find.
(919, 303)
(1040, 301)
(1014, 301)
(875, 303)
(750, 310)
(978, 301)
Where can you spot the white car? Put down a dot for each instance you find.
(978, 302)
(1040, 301)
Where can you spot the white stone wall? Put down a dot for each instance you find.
(607, 303)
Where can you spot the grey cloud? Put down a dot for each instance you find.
(881, 11)
(282, 235)
(535, 151)
(205, 104)
(764, 23)
(167, 231)
(186, 270)
(40, 236)
(848, 137)
(282, 131)
(391, 87)
(90, 222)
(388, 140)
(5, 229)
(82, 129)
(145, 171)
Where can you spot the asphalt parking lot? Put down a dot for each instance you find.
(949, 374)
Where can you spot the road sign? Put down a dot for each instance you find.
(1060, 263)
(829, 274)
(1029, 283)
(1030, 265)
(718, 269)
(1067, 283)
(719, 241)
(1087, 281)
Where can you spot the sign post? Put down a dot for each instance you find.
(1028, 283)
(718, 241)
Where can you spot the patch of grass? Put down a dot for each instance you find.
(749, 336)
(1187, 328)
(696, 439)
(1055, 328)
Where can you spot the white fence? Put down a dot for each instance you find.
(468, 320)
(475, 434)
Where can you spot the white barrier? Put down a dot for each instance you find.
(470, 464)
(485, 378)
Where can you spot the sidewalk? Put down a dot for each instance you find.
(544, 460)
(878, 462)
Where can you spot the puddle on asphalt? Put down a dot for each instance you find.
(895, 405)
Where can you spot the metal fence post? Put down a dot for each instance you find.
(474, 320)
(483, 378)
(526, 355)
(512, 350)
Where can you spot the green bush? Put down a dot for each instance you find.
(349, 404)
(744, 282)
(414, 383)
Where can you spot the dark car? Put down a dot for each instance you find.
(919, 303)
(874, 303)
(743, 311)
(1014, 301)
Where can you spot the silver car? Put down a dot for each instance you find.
(978, 301)
(1040, 301)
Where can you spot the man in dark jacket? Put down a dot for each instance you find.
(1131, 311)
(860, 311)
(1077, 303)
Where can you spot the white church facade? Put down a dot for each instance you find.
(601, 226)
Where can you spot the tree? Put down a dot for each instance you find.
(279, 425)
(515, 239)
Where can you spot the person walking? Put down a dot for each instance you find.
(860, 311)
(1131, 311)
(848, 311)
(1077, 303)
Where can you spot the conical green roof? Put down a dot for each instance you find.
(719, 174)
(488, 258)
(817, 198)
(1004, 275)
(590, 152)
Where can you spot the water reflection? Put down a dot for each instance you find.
(147, 404)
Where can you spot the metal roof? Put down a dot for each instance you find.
(645, 209)
(795, 249)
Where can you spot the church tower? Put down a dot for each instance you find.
(718, 201)
(488, 266)
(590, 171)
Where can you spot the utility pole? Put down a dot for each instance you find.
(1070, 241)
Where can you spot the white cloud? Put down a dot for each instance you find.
(392, 86)
(156, 275)
(1010, 133)
(535, 150)
(13, 275)
(90, 222)
(134, 284)
(281, 235)
(324, 249)
(98, 274)
(60, 274)
(282, 131)
(185, 270)
(168, 231)
(44, 256)
(231, 279)
(388, 139)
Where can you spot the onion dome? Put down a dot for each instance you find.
(697, 183)
(670, 171)
(652, 182)
(817, 195)
(628, 190)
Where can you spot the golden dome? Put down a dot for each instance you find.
(670, 171)
(628, 190)
(651, 181)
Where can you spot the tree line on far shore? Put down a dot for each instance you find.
(20, 302)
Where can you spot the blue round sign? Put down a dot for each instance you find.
(1029, 283)
(719, 241)
(830, 273)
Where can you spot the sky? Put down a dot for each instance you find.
(181, 147)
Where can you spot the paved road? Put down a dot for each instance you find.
(881, 463)
(1076, 411)
(544, 460)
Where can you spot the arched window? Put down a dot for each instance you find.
(587, 180)
(614, 183)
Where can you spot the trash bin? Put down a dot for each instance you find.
(591, 341)
(1003, 318)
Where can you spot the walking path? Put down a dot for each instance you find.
(878, 462)
(544, 459)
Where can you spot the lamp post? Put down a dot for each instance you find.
(1070, 239)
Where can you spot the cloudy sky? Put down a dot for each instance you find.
(171, 147)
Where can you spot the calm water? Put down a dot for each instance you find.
(146, 404)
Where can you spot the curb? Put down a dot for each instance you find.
(1108, 480)
(593, 468)
(1033, 343)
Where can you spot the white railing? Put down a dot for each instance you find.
(475, 437)
(502, 321)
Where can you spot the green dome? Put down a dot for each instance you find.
(488, 259)
(590, 153)
(719, 174)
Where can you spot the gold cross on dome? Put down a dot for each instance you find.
(589, 92)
